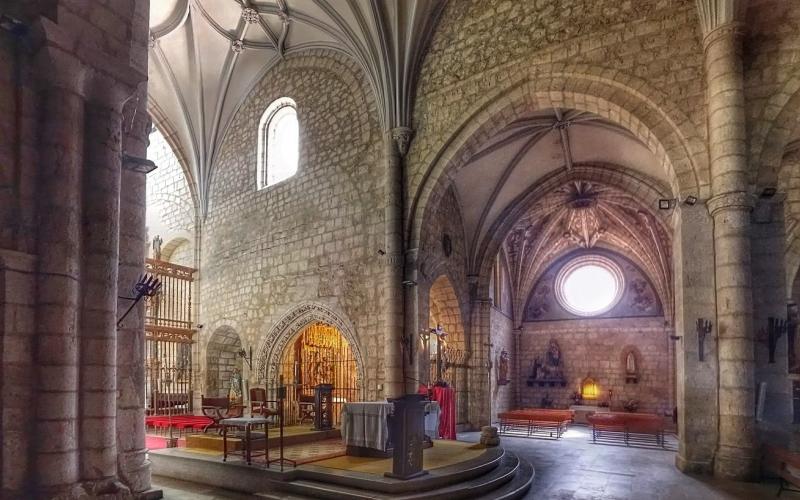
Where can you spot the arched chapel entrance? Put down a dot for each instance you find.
(319, 354)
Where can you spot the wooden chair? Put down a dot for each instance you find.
(306, 409)
(219, 409)
(260, 405)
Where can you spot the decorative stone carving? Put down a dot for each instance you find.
(402, 138)
(294, 321)
(250, 15)
(237, 46)
(503, 368)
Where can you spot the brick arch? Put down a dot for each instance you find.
(221, 359)
(616, 96)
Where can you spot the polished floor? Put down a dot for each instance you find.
(573, 468)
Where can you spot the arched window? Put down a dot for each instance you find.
(278, 143)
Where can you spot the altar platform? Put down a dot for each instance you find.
(455, 470)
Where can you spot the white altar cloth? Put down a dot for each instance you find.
(364, 424)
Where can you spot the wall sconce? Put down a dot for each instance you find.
(246, 357)
(147, 286)
(666, 203)
(703, 328)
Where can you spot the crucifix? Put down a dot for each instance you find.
(440, 335)
(703, 329)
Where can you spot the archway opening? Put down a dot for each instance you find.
(318, 354)
(224, 365)
(446, 355)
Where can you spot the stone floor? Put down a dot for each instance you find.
(573, 468)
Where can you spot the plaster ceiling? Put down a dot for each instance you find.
(529, 149)
(206, 55)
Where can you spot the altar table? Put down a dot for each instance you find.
(364, 425)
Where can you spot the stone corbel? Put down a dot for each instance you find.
(402, 139)
(136, 164)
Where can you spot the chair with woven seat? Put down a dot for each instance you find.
(219, 409)
(260, 405)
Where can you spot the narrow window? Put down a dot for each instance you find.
(278, 143)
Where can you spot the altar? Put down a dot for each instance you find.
(366, 431)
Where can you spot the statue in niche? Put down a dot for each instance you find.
(235, 392)
(553, 354)
(502, 368)
(157, 241)
(631, 375)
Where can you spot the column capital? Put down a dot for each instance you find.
(516, 332)
(733, 201)
(732, 30)
(401, 136)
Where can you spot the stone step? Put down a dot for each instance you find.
(488, 485)
(517, 487)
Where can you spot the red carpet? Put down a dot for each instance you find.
(159, 442)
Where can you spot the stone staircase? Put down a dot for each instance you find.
(503, 476)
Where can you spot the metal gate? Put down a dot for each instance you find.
(319, 355)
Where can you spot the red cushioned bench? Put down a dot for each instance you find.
(535, 421)
(636, 428)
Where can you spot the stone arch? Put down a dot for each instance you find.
(292, 323)
(445, 307)
(221, 359)
(647, 189)
(616, 96)
(168, 250)
(771, 138)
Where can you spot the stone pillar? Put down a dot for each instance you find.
(769, 300)
(730, 207)
(133, 465)
(98, 333)
(393, 300)
(411, 325)
(479, 387)
(696, 381)
(59, 247)
(517, 381)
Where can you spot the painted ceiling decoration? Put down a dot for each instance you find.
(587, 214)
(206, 55)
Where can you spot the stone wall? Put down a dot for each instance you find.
(312, 238)
(597, 348)
(502, 339)
(170, 208)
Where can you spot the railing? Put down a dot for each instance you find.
(169, 336)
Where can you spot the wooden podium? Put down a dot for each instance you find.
(408, 436)
(323, 407)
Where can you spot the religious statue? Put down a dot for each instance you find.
(553, 353)
(157, 241)
(630, 368)
(235, 392)
(502, 368)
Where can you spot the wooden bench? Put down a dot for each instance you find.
(535, 421)
(636, 428)
(782, 460)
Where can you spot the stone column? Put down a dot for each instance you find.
(393, 300)
(696, 380)
(98, 333)
(479, 387)
(730, 208)
(517, 334)
(56, 448)
(769, 300)
(411, 327)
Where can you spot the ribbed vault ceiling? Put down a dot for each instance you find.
(207, 54)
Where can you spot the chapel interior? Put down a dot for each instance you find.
(488, 249)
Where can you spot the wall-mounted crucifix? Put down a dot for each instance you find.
(704, 327)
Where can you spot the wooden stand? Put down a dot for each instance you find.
(323, 407)
(280, 460)
(408, 431)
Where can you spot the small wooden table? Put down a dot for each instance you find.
(248, 424)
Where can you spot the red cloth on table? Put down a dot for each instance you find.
(447, 418)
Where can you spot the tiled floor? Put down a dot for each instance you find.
(573, 468)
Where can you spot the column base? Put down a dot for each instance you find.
(694, 466)
(736, 464)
